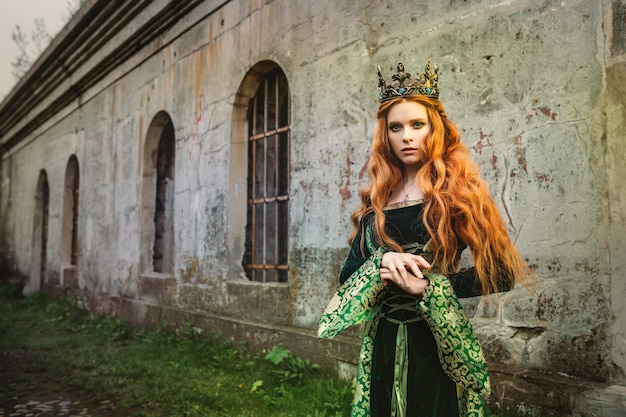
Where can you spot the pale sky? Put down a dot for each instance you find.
(24, 13)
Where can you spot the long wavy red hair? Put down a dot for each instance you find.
(458, 204)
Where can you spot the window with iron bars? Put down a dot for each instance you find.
(267, 230)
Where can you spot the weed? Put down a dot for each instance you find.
(290, 369)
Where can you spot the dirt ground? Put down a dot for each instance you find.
(14, 379)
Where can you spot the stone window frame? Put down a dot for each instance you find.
(38, 274)
(160, 125)
(239, 164)
(69, 231)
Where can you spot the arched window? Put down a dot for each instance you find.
(158, 196)
(267, 230)
(40, 234)
(164, 203)
(70, 213)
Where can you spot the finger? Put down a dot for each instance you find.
(394, 276)
(423, 263)
(385, 276)
(402, 275)
(417, 259)
(416, 271)
(416, 265)
(388, 281)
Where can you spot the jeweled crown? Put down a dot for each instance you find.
(404, 85)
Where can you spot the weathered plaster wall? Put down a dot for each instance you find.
(615, 13)
(535, 86)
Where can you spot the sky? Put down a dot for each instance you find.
(24, 13)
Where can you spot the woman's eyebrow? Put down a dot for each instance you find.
(418, 119)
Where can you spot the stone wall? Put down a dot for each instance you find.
(535, 87)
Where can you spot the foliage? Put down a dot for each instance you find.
(31, 46)
(290, 369)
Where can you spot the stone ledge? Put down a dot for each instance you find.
(607, 401)
(156, 287)
(69, 276)
(537, 392)
(518, 392)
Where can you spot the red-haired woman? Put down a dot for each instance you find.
(424, 205)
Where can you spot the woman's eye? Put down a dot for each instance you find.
(395, 128)
(418, 125)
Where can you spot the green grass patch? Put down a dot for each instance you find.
(155, 372)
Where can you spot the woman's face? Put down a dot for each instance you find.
(407, 127)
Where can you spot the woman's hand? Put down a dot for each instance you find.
(395, 267)
(416, 286)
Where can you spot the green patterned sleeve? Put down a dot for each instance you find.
(459, 351)
(356, 301)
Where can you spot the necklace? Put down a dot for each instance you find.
(406, 195)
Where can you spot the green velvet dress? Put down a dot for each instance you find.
(419, 356)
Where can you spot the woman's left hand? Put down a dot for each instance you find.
(400, 264)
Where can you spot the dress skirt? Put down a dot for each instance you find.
(430, 392)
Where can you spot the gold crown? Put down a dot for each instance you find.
(403, 85)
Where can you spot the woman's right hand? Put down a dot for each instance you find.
(416, 286)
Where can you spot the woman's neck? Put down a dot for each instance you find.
(407, 190)
(410, 173)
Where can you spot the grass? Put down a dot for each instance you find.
(156, 372)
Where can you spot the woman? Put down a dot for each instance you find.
(425, 204)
